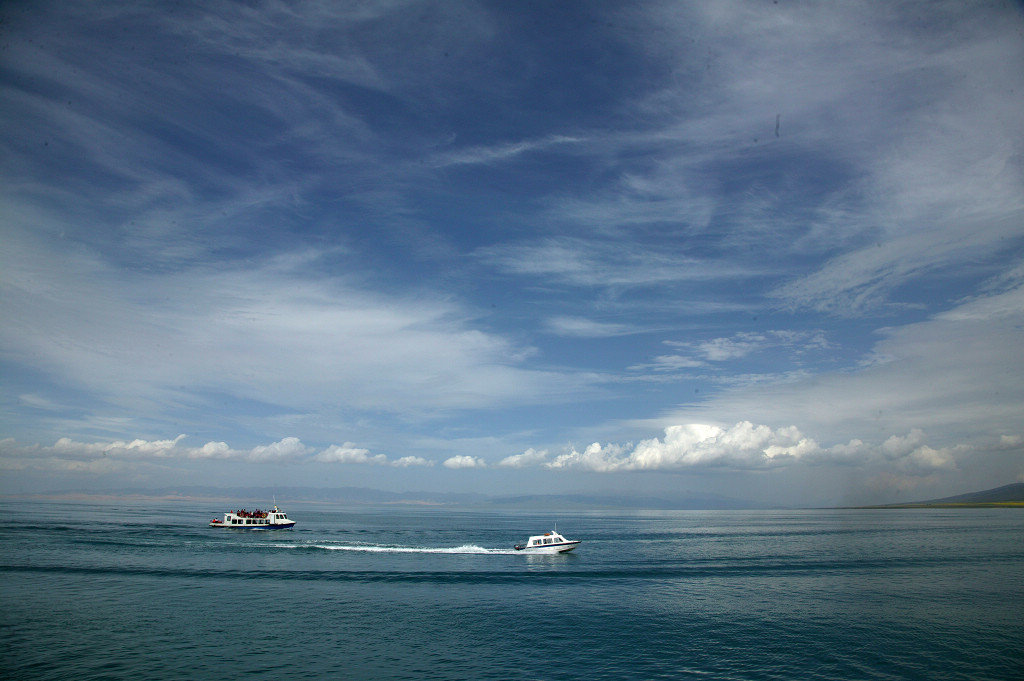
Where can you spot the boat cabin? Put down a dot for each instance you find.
(546, 539)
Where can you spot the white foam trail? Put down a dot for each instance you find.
(376, 548)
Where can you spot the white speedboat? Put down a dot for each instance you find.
(275, 519)
(549, 542)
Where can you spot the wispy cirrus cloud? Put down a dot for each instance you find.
(500, 152)
(265, 223)
(938, 375)
(597, 263)
(210, 330)
(580, 327)
(693, 354)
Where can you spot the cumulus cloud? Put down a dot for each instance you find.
(743, 446)
(407, 461)
(531, 457)
(69, 454)
(349, 453)
(136, 449)
(1010, 441)
(286, 450)
(746, 446)
(464, 461)
(289, 448)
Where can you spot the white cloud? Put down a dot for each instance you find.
(888, 160)
(749, 447)
(67, 453)
(136, 449)
(670, 363)
(957, 376)
(531, 457)
(607, 263)
(743, 446)
(464, 461)
(737, 346)
(579, 327)
(499, 152)
(406, 461)
(722, 349)
(39, 402)
(348, 453)
(172, 337)
(1010, 441)
(288, 449)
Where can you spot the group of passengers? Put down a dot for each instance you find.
(251, 514)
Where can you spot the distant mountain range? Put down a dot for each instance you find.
(1001, 496)
(364, 496)
(1007, 495)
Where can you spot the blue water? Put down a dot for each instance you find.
(135, 591)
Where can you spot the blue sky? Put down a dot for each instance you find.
(765, 249)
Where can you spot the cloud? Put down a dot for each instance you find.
(464, 461)
(38, 402)
(407, 461)
(69, 454)
(957, 376)
(891, 162)
(136, 449)
(604, 263)
(579, 327)
(531, 457)
(724, 349)
(743, 446)
(348, 453)
(173, 337)
(297, 248)
(499, 152)
(670, 363)
(289, 448)
(749, 447)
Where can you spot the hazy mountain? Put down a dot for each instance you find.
(998, 495)
(264, 496)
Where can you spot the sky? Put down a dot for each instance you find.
(770, 249)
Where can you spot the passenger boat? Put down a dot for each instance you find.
(275, 519)
(549, 542)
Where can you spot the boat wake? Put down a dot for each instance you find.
(384, 548)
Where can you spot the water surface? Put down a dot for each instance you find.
(130, 591)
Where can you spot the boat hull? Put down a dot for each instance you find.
(549, 549)
(252, 527)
